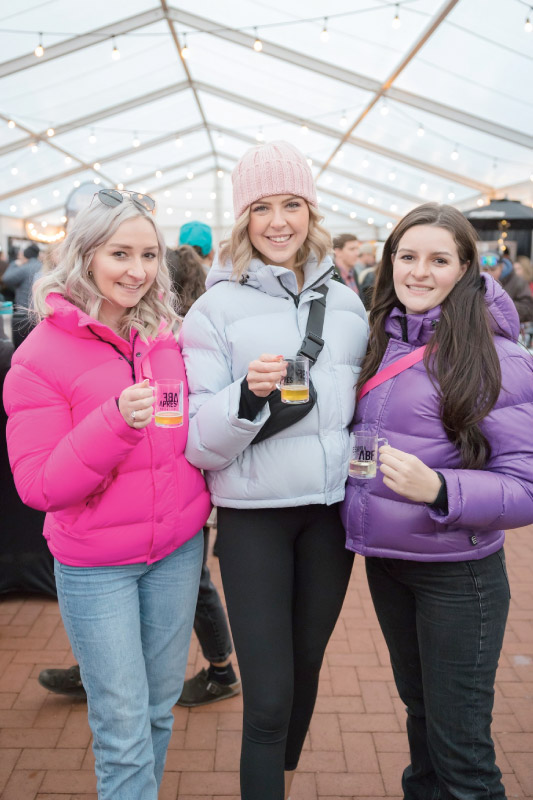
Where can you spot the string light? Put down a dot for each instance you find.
(212, 195)
(209, 215)
(389, 226)
(309, 161)
(92, 137)
(384, 110)
(115, 54)
(349, 190)
(421, 131)
(423, 187)
(178, 142)
(135, 141)
(227, 215)
(324, 35)
(120, 186)
(304, 129)
(128, 170)
(370, 201)
(45, 238)
(68, 160)
(96, 165)
(392, 175)
(187, 214)
(33, 201)
(531, 177)
(370, 220)
(480, 202)
(12, 208)
(451, 195)
(190, 175)
(258, 44)
(396, 22)
(353, 215)
(167, 192)
(454, 154)
(185, 50)
(55, 193)
(528, 25)
(260, 136)
(96, 181)
(10, 124)
(220, 138)
(158, 173)
(76, 184)
(34, 147)
(343, 122)
(364, 163)
(188, 195)
(394, 207)
(39, 50)
(220, 173)
(170, 210)
(50, 132)
(334, 207)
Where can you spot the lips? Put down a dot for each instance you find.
(419, 289)
(130, 287)
(279, 239)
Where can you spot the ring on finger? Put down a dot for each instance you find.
(132, 415)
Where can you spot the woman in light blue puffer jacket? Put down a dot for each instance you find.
(280, 540)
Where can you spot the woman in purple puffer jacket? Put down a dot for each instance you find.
(457, 471)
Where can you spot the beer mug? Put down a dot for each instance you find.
(168, 403)
(363, 454)
(294, 386)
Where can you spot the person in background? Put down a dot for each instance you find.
(3, 264)
(345, 251)
(280, 541)
(19, 276)
(199, 236)
(457, 471)
(187, 275)
(501, 269)
(367, 274)
(524, 269)
(123, 505)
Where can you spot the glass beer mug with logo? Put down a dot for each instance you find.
(364, 454)
(168, 403)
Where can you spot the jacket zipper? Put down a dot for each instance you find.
(130, 361)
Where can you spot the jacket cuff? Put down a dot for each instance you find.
(118, 424)
(250, 405)
(440, 503)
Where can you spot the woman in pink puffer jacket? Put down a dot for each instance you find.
(124, 506)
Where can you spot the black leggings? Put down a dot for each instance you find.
(285, 573)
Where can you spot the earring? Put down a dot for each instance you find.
(89, 273)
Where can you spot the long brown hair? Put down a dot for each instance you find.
(187, 275)
(461, 359)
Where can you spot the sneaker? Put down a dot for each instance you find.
(201, 690)
(63, 681)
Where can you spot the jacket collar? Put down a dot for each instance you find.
(274, 280)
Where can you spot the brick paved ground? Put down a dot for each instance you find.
(356, 747)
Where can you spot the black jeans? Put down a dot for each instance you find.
(285, 573)
(444, 624)
(210, 624)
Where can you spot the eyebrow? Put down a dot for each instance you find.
(435, 252)
(130, 247)
(286, 200)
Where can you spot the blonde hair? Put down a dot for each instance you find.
(239, 250)
(70, 276)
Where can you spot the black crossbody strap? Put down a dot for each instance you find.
(313, 343)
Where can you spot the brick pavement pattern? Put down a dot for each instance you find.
(356, 747)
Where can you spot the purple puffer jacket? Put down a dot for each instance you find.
(405, 410)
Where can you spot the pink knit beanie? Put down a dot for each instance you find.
(269, 169)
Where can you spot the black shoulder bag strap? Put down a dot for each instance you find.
(283, 415)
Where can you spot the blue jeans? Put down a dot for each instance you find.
(444, 623)
(130, 627)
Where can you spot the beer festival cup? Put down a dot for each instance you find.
(168, 403)
(363, 454)
(294, 386)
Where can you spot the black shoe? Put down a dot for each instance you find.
(201, 690)
(63, 681)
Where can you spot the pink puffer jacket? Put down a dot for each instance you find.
(114, 494)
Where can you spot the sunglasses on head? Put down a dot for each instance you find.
(112, 198)
(489, 262)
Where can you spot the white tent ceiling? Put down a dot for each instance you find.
(438, 108)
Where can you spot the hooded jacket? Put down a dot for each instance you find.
(114, 494)
(230, 326)
(405, 410)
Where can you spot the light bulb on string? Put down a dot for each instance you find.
(392, 175)
(39, 50)
(135, 142)
(370, 220)
(531, 177)
(14, 171)
(343, 121)
(384, 110)
(11, 124)
(304, 129)
(480, 202)
(115, 53)
(220, 138)
(34, 147)
(92, 137)
(309, 161)
(528, 25)
(423, 187)
(393, 207)
(185, 52)
(451, 195)
(421, 131)
(158, 173)
(50, 132)
(396, 22)
(260, 136)
(258, 44)
(324, 35)
(120, 186)
(212, 195)
(454, 155)
(220, 173)
(364, 163)
(68, 160)
(190, 176)
(389, 226)
(353, 215)
(12, 208)
(178, 142)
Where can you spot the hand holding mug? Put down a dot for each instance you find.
(265, 373)
(135, 404)
(408, 476)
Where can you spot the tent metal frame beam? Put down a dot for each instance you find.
(118, 28)
(96, 116)
(393, 155)
(354, 79)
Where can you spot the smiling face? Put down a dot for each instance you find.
(278, 227)
(426, 267)
(125, 267)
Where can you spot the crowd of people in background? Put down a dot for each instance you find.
(130, 505)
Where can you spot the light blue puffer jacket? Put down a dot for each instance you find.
(226, 329)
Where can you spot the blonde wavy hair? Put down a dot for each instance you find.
(239, 250)
(71, 262)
